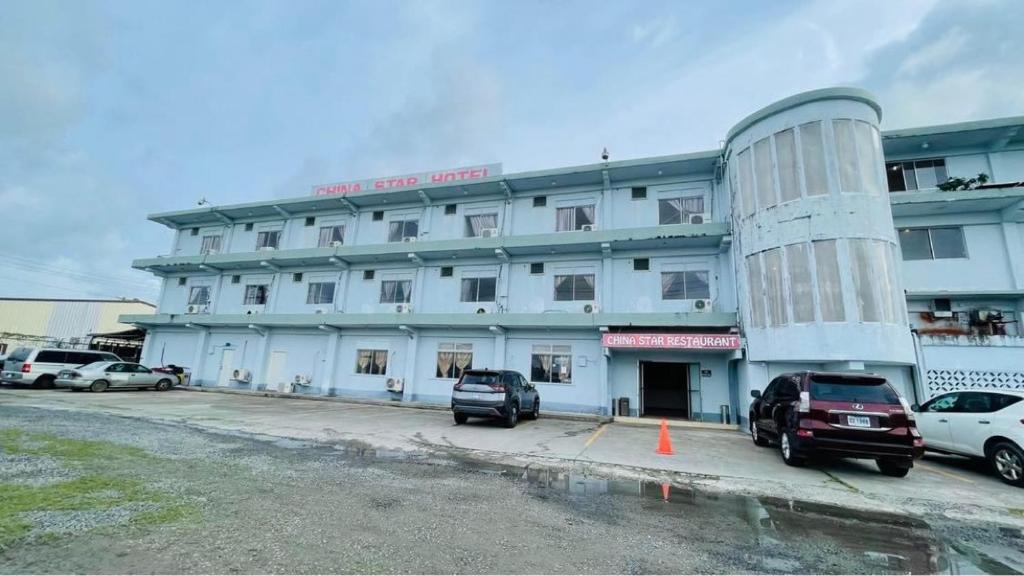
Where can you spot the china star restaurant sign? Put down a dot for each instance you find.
(671, 341)
(450, 176)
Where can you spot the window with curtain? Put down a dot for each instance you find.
(371, 361)
(395, 291)
(478, 289)
(785, 153)
(775, 290)
(813, 155)
(320, 293)
(685, 285)
(453, 359)
(199, 296)
(801, 285)
(746, 179)
(755, 286)
(885, 278)
(255, 294)
(764, 174)
(211, 244)
(830, 287)
(331, 234)
(268, 239)
(476, 223)
(574, 287)
(398, 230)
(859, 156)
(864, 279)
(678, 210)
(574, 217)
(869, 156)
(551, 363)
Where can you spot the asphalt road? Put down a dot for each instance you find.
(187, 500)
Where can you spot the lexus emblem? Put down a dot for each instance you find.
(858, 406)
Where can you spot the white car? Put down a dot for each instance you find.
(985, 424)
(100, 376)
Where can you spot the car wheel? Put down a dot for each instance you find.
(461, 418)
(755, 435)
(163, 385)
(512, 416)
(99, 386)
(892, 468)
(788, 453)
(1008, 461)
(45, 382)
(535, 412)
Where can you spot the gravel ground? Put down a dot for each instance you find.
(282, 506)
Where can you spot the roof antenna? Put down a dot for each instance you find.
(604, 154)
(203, 201)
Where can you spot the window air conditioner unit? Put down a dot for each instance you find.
(250, 310)
(241, 376)
(192, 309)
(335, 243)
(395, 385)
(403, 308)
(488, 232)
(267, 248)
(699, 218)
(409, 239)
(303, 379)
(589, 308)
(942, 308)
(588, 227)
(702, 305)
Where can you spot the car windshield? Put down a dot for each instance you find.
(479, 378)
(20, 354)
(852, 391)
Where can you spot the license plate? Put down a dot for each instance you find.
(859, 421)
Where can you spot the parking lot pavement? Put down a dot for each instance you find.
(727, 461)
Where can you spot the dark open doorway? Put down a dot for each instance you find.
(665, 389)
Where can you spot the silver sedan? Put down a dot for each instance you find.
(99, 376)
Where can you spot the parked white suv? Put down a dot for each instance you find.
(39, 366)
(985, 424)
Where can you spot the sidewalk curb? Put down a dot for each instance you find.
(369, 402)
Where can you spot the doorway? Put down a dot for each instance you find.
(665, 389)
(227, 362)
(275, 371)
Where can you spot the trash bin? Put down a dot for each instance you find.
(624, 406)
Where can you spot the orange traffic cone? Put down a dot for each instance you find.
(664, 442)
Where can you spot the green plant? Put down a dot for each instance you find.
(957, 183)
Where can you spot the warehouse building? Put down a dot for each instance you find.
(809, 241)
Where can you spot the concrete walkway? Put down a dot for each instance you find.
(711, 459)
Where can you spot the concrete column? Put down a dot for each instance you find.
(504, 275)
(506, 228)
(229, 236)
(215, 293)
(412, 347)
(604, 296)
(275, 284)
(418, 284)
(500, 345)
(259, 375)
(1015, 249)
(199, 361)
(604, 375)
(330, 362)
(146, 357)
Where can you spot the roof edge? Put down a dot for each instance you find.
(833, 93)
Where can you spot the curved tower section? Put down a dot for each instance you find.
(814, 244)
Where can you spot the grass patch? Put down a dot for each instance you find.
(110, 478)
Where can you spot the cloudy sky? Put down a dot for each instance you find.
(113, 110)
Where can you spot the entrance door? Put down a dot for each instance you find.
(227, 363)
(275, 381)
(665, 389)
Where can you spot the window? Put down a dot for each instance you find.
(764, 174)
(310, 220)
(268, 239)
(371, 361)
(858, 156)
(453, 359)
(870, 156)
(574, 217)
(551, 363)
(450, 209)
(255, 294)
(51, 357)
(367, 274)
(944, 403)
(841, 390)
(574, 287)
(181, 281)
(540, 201)
(932, 243)
(685, 285)
(447, 271)
(755, 287)
(211, 244)
(478, 289)
(915, 174)
(395, 291)
(801, 287)
(297, 277)
(864, 280)
(194, 232)
(641, 264)
(537, 268)
(399, 230)
(830, 289)
(785, 154)
(678, 210)
(746, 178)
(248, 226)
(378, 215)
(639, 192)
(813, 156)
(331, 236)
(778, 314)
(236, 279)
(199, 296)
(477, 223)
(320, 293)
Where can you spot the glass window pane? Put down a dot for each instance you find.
(395, 232)
(868, 161)
(564, 218)
(813, 153)
(584, 215)
(894, 176)
(948, 243)
(914, 244)
(846, 156)
(487, 289)
(910, 175)
(673, 286)
(746, 179)
(801, 294)
(468, 289)
(670, 211)
(763, 173)
(830, 288)
(697, 285)
(775, 289)
(563, 288)
(584, 287)
(864, 280)
(412, 228)
(785, 153)
(885, 276)
(755, 286)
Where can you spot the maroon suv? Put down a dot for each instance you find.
(839, 414)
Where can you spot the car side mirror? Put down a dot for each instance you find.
(755, 393)
(915, 408)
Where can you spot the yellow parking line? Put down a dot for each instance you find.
(944, 473)
(597, 434)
